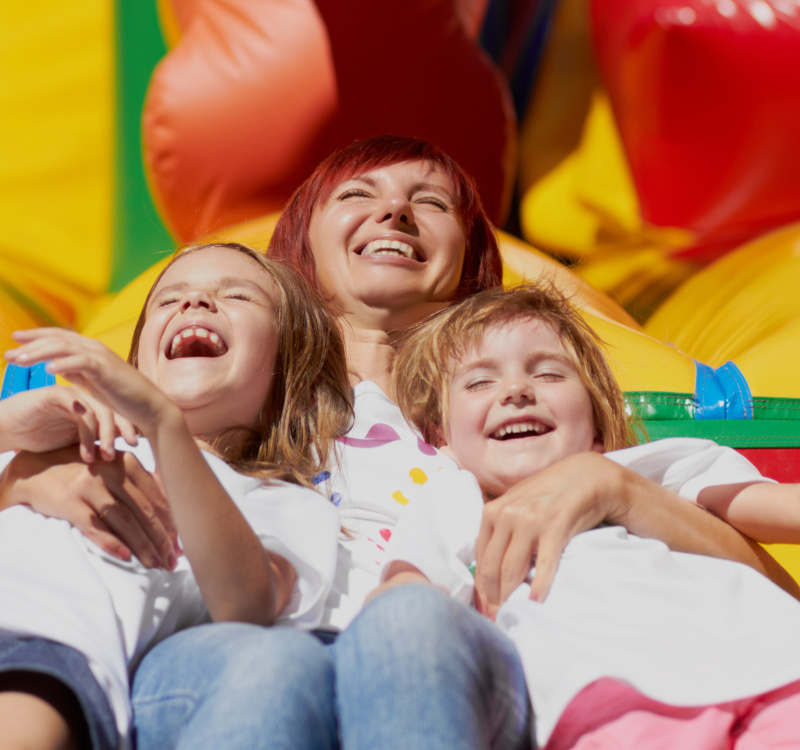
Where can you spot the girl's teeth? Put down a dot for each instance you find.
(518, 428)
(198, 332)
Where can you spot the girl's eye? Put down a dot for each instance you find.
(164, 301)
(549, 376)
(478, 385)
(238, 295)
(434, 202)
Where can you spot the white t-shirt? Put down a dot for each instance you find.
(683, 629)
(380, 466)
(58, 585)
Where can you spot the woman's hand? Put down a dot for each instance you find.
(536, 519)
(48, 418)
(117, 504)
(96, 368)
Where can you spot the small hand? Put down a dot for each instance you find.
(48, 418)
(536, 519)
(117, 504)
(96, 368)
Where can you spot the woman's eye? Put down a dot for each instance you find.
(353, 193)
(434, 202)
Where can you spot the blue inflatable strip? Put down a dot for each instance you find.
(18, 378)
(722, 393)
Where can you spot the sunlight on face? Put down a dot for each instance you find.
(210, 338)
(390, 239)
(516, 405)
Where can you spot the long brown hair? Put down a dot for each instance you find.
(309, 403)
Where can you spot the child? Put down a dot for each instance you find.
(236, 358)
(636, 646)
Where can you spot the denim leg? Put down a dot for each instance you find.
(233, 686)
(418, 670)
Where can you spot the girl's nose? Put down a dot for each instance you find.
(197, 298)
(518, 390)
(396, 210)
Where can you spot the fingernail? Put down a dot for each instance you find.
(155, 562)
(171, 561)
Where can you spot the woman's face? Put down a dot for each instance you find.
(389, 242)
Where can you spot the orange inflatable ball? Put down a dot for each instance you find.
(254, 95)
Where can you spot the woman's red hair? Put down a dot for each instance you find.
(482, 263)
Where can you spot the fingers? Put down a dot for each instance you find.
(153, 508)
(547, 559)
(126, 429)
(495, 538)
(117, 521)
(87, 429)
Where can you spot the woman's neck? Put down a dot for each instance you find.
(370, 355)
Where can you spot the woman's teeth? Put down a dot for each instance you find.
(388, 247)
(520, 428)
(197, 342)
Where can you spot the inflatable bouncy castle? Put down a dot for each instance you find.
(643, 153)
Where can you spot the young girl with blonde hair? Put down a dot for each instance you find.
(635, 645)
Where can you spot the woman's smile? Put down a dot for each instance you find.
(389, 239)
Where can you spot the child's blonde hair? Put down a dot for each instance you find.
(424, 363)
(309, 403)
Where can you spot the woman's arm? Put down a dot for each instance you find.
(766, 512)
(239, 579)
(117, 504)
(57, 416)
(539, 516)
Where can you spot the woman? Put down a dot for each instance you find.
(390, 229)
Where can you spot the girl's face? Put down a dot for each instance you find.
(210, 338)
(516, 405)
(390, 240)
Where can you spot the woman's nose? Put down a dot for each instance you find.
(197, 299)
(396, 209)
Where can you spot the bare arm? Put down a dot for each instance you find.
(239, 579)
(57, 416)
(117, 504)
(768, 513)
(539, 516)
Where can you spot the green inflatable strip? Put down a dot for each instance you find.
(736, 433)
(140, 237)
(650, 406)
(775, 423)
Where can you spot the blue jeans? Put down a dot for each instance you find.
(418, 670)
(235, 686)
(413, 670)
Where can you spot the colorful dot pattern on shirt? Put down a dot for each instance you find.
(399, 497)
(418, 476)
